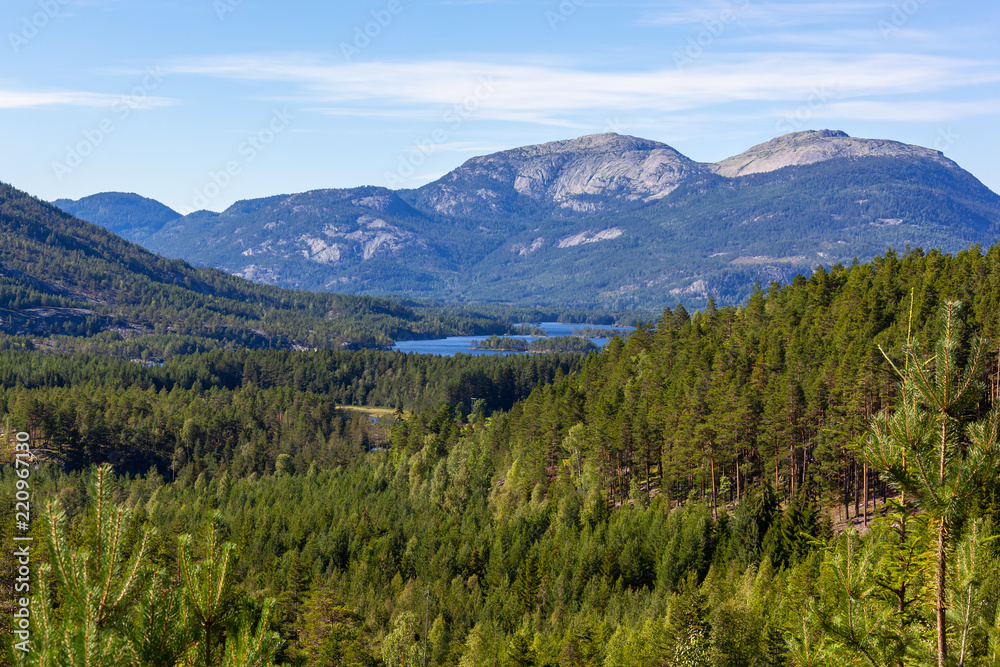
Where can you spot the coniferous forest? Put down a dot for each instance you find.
(807, 479)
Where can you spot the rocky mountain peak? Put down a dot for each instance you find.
(582, 174)
(607, 142)
(808, 147)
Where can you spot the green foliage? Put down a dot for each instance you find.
(244, 409)
(520, 652)
(798, 530)
(498, 344)
(330, 633)
(573, 343)
(101, 603)
(587, 524)
(935, 452)
(402, 645)
(208, 585)
(96, 587)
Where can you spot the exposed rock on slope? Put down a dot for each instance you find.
(799, 148)
(584, 174)
(282, 239)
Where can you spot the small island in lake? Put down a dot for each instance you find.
(562, 344)
(500, 344)
(553, 344)
(598, 332)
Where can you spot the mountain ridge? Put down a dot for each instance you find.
(603, 220)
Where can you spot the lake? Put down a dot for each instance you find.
(454, 344)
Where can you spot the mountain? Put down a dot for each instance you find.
(801, 148)
(592, 173)
(321, 240)
(605, 221)
(61, 275)
(124, 213)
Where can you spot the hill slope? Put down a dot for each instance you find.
(603, 221)
(124, 213)
(60, 275)
(321, 240)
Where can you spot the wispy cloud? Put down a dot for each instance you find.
(19, 99)
(771, 14)
(844, 40)
(560, 94)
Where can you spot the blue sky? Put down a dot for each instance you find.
(199, 103)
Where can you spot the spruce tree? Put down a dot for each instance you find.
(519, 651)
(799, 525)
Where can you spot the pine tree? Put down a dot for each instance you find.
(97, 586)
(933, 451)
(855, 614)
(101, 604)
(208, 588)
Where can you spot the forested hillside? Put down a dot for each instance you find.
(754, 485)
(242, 410)
(777, 391)
(124, 213)
(63, 276)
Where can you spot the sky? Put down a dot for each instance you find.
(201, 103)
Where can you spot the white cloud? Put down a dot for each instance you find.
(851, 39)
(770, 14)
(19, 99)
(561, 95)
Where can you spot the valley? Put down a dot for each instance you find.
(713, 486)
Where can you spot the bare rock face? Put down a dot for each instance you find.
(581, 174)
(331, 227)
(800, 148)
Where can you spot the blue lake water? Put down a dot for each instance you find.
(454, 344)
